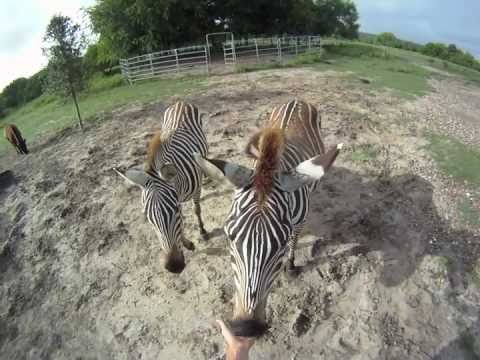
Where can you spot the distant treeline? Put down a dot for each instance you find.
(22, 90)
(131, 27)
(438, 50)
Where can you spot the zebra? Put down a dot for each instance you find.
(270, 205)
(172, 177)
(14, 136)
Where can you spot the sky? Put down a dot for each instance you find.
(447, 21)
(23, 24)
(22, 27)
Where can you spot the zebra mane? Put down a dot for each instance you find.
(153, 148)
(268, 145)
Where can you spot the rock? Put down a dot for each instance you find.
(218, 113)
(301, 324)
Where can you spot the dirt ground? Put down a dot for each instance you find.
(388, 272)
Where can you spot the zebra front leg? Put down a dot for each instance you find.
(293, 270)
(198, 213)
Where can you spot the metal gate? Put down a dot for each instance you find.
(229, 53)
(229, 56)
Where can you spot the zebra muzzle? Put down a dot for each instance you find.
(174, 261)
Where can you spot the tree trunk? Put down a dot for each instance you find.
(74, 96)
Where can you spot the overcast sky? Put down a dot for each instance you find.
(23, 23)
(22, 27)
(448, 21)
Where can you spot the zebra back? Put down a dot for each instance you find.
(301, 125)
(180, 137)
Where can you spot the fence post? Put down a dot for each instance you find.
(206, 59)
(279, 47)
(256, 49)
(151, 63)
(176, 61)
(296, 45)
(309, 42)
(125, 71)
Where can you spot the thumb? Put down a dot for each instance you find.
(227, 334)
(222, 326)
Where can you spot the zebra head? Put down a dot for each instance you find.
(261, 221)
(163, 211)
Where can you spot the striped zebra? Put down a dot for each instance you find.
(171, 177)
(270, 205)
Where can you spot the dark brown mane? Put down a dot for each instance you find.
(270, 142)
(153, 148)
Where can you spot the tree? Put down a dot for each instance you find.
(129, 27)
(65, 71)
(335, 17)
(14, 93)
(388, 39)
(133, 27)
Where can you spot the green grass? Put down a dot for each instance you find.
(101, 83)
(455, 159)
(446, 263)
(364, 153)
(49, 113)
(245, 68)
(462, 163)
(381, 66)
(469, 215)
(476, 273)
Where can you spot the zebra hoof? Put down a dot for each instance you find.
(189, 245)
(204, 235)
(293, 271)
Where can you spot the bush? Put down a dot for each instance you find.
(307, 58)
(358, 50)
(101, 82)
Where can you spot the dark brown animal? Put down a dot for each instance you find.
(14, 136)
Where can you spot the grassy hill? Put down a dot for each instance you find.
(405, 72)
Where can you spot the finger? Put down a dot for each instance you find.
(227, 334)
(221, 325)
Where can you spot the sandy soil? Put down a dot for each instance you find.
(387, 269)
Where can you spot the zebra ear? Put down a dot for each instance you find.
(310, 170)
(134, 176)
(220, 170)
(168, 172)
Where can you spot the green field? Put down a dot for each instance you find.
(404, 72)
(455, 159)
(48, 113)
(462, 163)
(373, 67)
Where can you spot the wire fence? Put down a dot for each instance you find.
(196, 58)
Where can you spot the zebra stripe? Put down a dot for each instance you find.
(182, 136)
(260, 235)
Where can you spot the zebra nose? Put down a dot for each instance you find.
(175, 263)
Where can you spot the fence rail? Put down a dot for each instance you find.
(160, 63)
(274, 47)
(190, 58)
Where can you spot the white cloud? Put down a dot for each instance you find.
(22, 27)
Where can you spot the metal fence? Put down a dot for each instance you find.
(190, 58)
(160, 63)
(274, 47)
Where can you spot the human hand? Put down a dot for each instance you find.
(237, 346)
